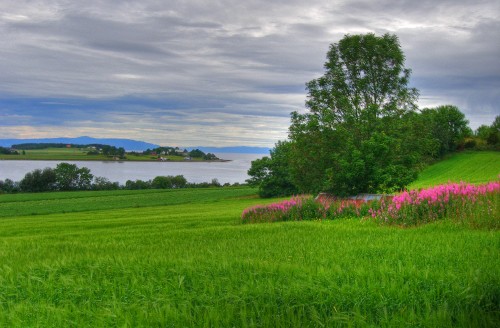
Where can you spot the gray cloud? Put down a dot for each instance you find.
(222, 72)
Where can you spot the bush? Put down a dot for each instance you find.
(39, 181)
(169, 182)
(295, 209)
(102, 183)
(463, 203)
(9, 186)
(137, 184)
(306, 208)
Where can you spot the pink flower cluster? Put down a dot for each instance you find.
(337, 208)
(273, 212)
(457, 201)
(306, 208)
(453, 200)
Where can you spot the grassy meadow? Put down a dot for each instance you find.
(469, 166)
(182, 258)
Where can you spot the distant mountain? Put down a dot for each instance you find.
(128, 144)
(236, 149)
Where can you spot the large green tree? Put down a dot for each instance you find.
(354, 138)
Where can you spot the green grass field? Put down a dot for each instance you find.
(181, 258)
(473, 167)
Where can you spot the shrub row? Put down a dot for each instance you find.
(67, 177)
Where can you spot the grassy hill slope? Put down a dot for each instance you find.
(473, 167)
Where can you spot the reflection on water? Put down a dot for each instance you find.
(232, 172)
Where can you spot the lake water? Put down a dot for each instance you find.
(232, 172)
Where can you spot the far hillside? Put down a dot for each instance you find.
(473, 167)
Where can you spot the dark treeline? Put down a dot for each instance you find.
(8, 151)
(70, 177)
(176, 151)
(112, 151)
(32, 146)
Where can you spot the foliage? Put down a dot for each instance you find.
(490, 135)
(39, 181)
(71, 177)
(354, 137)
(99, 152)
(64, 177)
(287, 210)
(166, 151)
(9, 186)
(196, 153)
(271, 174)
(169, 182)
(362, 133)
(210, 157)
(464, 203)
(8, 151)
(137, 184)
(448, 127)
(483, 132)
(305, 208)
(182, 260)
(30, 146)
(102, 183)
(113, 151)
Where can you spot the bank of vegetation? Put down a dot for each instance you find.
(70, 177)
(100, 152)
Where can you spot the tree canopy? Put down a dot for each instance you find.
(353, 138)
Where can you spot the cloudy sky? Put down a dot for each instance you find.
(221, 73)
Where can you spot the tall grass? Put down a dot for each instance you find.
(190, 263)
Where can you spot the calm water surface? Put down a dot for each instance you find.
(233, 171)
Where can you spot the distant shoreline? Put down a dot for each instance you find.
(114, 161)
